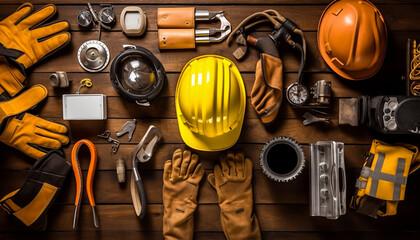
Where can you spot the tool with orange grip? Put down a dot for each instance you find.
(79, 179)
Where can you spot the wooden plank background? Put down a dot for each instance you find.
(282, 208)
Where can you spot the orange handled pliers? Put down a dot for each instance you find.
(79, 179)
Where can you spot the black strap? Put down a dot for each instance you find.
(10, 53)
(369, 206)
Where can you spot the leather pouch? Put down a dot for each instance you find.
(176, 38)
(176, 17)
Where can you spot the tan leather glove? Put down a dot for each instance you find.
(181, 177)
(233, 183)
(24, 40)
(267, 91)
(31, 133)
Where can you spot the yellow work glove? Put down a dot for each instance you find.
(181, 177)
(11, 79)
(24, 41)
(32, 135)
(233, 183)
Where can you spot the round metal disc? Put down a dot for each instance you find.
(93, 56)
(297, 94)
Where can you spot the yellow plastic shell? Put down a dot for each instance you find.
(210, 103)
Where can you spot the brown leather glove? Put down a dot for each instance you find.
(267, 92)
(233, 183)
(181, 177)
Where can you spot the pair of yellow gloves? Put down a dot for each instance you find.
(232, 180)
(23, 42)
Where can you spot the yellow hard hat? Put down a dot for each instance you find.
(352, 38)
(210, 103)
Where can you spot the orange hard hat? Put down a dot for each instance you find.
(352, 38)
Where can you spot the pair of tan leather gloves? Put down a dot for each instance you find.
(232, 180)
(25, 40)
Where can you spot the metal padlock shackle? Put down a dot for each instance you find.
(204, 35)
(177, 27)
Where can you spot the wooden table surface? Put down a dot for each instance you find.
(282, 208)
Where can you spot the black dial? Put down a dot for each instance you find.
(297, 94)
(107, 15)
(84, 18)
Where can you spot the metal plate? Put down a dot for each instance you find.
(93, 56)
(84, 107)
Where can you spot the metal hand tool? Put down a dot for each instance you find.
(79, 180)
(141, 154)
(206, 35)
(116, 144)
(129, 128)
(310, 118)
(177, 27)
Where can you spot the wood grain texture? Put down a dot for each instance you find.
(290, 217)
(135, 235)
(282, 208)
(201, 2)
(354, 156)
(174, 60)
(108, 191)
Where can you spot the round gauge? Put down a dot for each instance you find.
(107, 15)
(93, 56)
(84, 18)
(297, 94)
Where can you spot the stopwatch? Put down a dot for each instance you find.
(297, 94)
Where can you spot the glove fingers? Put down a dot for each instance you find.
(248, 168)
(49, 30)
(38, 16)
(176, 162)
(46, 142)
(167, 168)
(212, 180)
(197, 175)
(240, 164)
(192, 167)
(224, 165)
(20, 12)
(52, 44)
(51, 126)
(45, 133)
(32, 152)
(186, 158)
(231, 163)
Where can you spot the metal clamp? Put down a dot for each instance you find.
(205, 35)
(116, 144)
(129, 128)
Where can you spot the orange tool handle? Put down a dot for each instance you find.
(78, 171)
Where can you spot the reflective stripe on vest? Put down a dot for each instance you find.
(398, 179)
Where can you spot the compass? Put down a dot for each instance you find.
(84, 18)
(107, 14)
(93, 56)
(297, 94)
